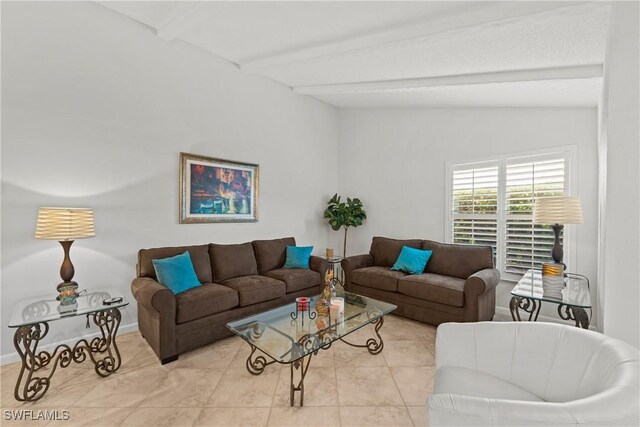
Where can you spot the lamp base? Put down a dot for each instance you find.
(557, 252)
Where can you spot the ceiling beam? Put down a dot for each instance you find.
(177, 25)
(560, 73)
(452, 24)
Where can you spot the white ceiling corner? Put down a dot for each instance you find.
(401, 54)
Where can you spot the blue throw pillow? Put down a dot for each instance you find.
(176, 273)
(298, 257)
(412, 261)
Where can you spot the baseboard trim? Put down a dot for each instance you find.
(13, 357)
(506, 312)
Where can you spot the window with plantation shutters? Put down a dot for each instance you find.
(529, 245)
(475, 205)
(491, 203)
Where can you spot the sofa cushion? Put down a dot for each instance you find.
(298, 257)
(469, 382)
(271, 254)
(412, 260)
(205, 300)
(456, 260)
(176, 273)
(229, 261)
(434, 287)
(199, 258)
(254, 289)
(377, 277)
(385, 251)
(296, 279)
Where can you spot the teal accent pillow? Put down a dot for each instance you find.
(411, 260)
(176, 273)
(298, 257)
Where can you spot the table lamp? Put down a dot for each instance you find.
(557, 211)
(65, 225)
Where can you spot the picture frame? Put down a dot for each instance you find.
(216, 190)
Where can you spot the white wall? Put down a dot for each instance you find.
(96, 109)
(395, 161)
(621, 110)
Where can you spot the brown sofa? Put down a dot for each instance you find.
(237, 281)
(458, 284)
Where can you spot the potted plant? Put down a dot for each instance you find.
(344, 215)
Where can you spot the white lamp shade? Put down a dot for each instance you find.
(557, 210)
(65, 224)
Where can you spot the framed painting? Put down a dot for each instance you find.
(216, 190)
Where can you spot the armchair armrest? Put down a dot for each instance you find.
(153, 296)
(353, 263)
(318, 264)
(482, 281)
(461, 410)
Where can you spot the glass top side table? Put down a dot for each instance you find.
(528, 296)
(31, 320)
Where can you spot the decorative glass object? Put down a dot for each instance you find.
(323, 305)
(552, 280)
(68, 294)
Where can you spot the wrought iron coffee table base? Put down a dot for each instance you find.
(256, 364)
(101, 350)
(532, 307)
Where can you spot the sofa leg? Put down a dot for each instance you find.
(169, 359)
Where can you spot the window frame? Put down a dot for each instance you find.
(569, 154)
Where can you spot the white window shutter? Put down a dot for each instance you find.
(474, 199)
(529, 245)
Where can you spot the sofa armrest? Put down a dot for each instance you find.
(480, 295)
(153, 296)
(482, 281)
(318, 264)
(353, 263)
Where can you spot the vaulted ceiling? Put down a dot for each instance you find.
(401, 54)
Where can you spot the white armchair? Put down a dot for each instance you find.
(526, 373)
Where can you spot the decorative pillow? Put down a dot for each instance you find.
(298, 257)
(412, 261)
(176, 273)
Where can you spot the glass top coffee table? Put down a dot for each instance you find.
(285, 335)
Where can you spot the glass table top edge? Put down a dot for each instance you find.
(32, 311)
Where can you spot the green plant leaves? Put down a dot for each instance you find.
(340, 214)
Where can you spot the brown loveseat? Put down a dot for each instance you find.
(237, 281)
(458, 284)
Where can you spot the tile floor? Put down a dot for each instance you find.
(210, 386)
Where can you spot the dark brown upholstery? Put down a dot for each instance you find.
(459, 283)
(199, 257)
(415, 308)
(232, 261)
(205, 300)
(434, 287)
(271, 254)
(255, 289)
(296, 279)
(173, 324)
(385, 251)
(191, 335)
(459, 261)
(377, 277)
